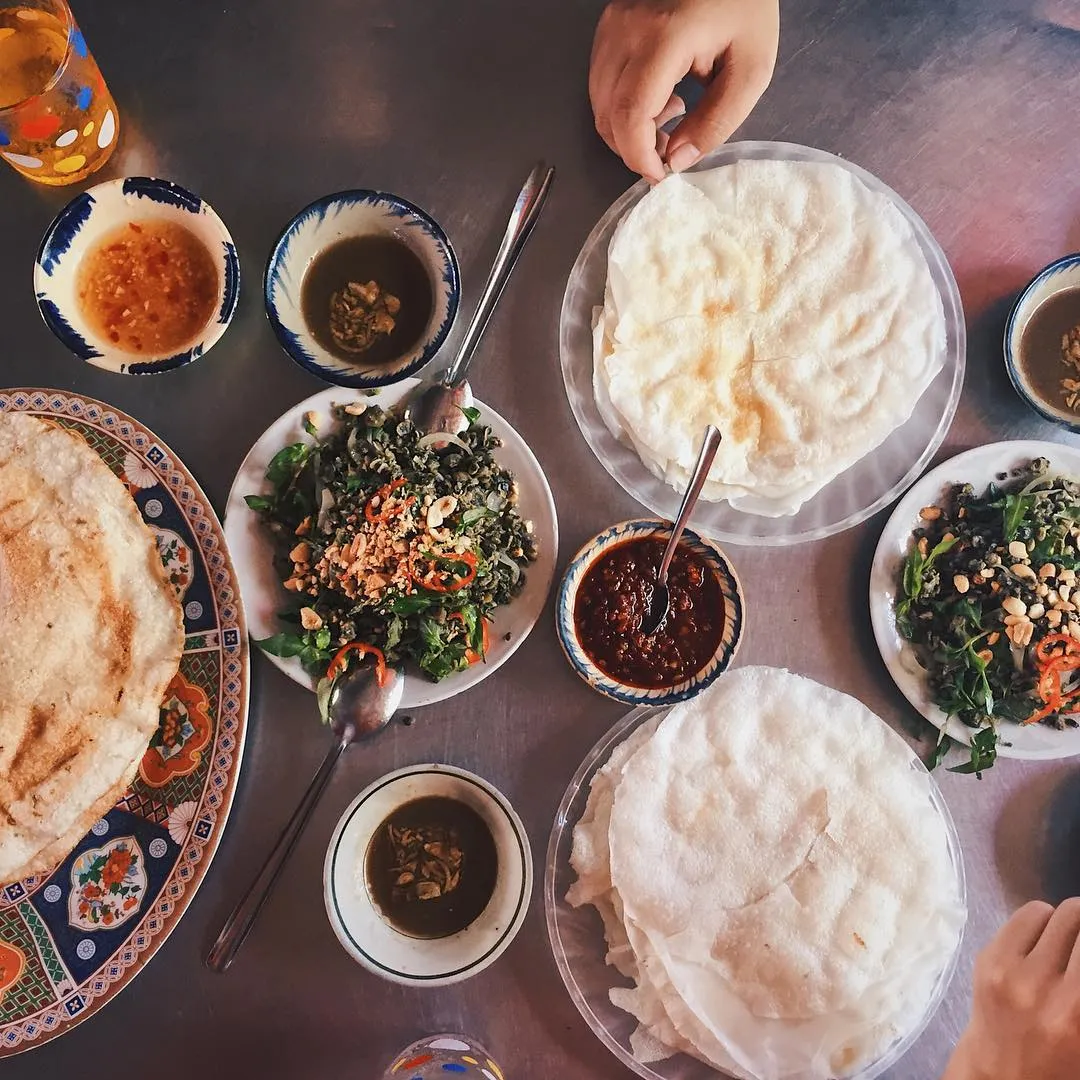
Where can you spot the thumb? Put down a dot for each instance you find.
(727, 102)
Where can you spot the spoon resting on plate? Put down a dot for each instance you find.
(361, 705)
(437, 407)
(660, 601)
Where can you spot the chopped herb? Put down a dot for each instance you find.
(975, 598)
(380, 540)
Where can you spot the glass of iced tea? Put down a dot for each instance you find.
(58, 122)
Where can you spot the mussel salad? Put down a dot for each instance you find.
(392, 543)
(989, 596)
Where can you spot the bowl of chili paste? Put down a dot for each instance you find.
(606, 592)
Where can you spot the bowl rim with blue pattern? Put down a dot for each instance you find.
(1065, 275)
(582, 663)
(94, 213)
(390, 214)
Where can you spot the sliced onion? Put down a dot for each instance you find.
(325, 506)
(502, 557)
(442, 438)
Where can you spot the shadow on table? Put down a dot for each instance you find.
(1037, 840)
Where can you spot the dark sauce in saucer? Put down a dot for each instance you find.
(395, 269)
(431, 867)
(1041, 349)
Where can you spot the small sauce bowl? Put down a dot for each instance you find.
(361, 928)
(318, 228)
(1048, 308)
(89, 218)
(580, 660)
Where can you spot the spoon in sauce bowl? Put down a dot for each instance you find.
(360, 706)
(660, 602)
(437, 407)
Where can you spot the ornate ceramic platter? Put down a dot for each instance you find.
(72, 941)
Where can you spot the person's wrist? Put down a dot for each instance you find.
(964, 1064)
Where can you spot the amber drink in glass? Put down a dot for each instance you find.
(58, 121)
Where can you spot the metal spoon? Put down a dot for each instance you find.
(359, 708)
(660, 603)
(437, 407)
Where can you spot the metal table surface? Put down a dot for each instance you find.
(967, 108)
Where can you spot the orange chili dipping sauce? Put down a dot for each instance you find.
(149, 288)
(614, 596)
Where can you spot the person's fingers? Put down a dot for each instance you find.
(606, 63)
(675, 107)
(1057, 941)
(1072, 970)
(602, 116)
(661, 143)
(728, 101)
(604, 71)
(1019, 935)
(643, 92)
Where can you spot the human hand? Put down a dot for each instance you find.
(1026, 1020)
(643, 48)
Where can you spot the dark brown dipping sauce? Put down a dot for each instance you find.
(613, 597)
(1041, 356)
(395, 268)
(431, 867)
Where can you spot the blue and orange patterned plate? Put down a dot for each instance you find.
(71, 941)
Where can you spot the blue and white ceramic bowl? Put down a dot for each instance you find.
(635, 695)
(1058, 277)
(97, 212)
(324, 223)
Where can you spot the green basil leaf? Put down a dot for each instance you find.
(939, 549)
(477, 513)
(412, 604)
(431, 635)
(283, 644)
(470, 414)
(1016, 509)
(286, 463)
(983, 753)
(944, 745)
(259, 503)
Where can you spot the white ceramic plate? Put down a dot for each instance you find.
(977, 467)
(253, 555)
(862, 490)
(363, 932)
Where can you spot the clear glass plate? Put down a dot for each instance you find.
(870, 484)
(577, 934)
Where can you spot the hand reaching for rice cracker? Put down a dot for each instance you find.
(1026, 1019)
(644, 48)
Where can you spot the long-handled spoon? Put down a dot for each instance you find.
(359, 708)
(438, 407)
(661, 598)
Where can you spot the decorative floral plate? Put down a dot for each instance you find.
(73, 940)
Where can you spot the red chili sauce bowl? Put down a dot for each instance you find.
(606, 592)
